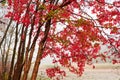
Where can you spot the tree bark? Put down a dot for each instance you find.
(19, 64)
(40, 50)
(27, 65)
(6, 32)
(14, 52)
(37, 63)
(28, 61)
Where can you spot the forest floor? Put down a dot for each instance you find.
(96, 74)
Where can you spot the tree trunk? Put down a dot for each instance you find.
(6, 32)
(29, 59)
(37, 62)
(40, 50)
(14, 52)
(27, 65)
(19, 64)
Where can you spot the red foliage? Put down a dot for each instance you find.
(81, 39)
(53, 72)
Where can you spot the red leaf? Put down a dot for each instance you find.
(93, 66)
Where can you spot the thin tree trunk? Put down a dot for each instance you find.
(28, 63)
(21, 51)
(19, 63)
(27, 66)
(7, 52)
(3, 66)
(37, 63)
(6, 32)
(14, 52)
(40, 50)
(3, 60)
(28, 60)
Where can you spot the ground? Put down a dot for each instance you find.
(104, 71)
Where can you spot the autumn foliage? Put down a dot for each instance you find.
(86, 26)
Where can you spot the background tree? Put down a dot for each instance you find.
(6, 38)
(86, 25)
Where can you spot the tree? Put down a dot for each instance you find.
(78, 43)
(5, 44)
